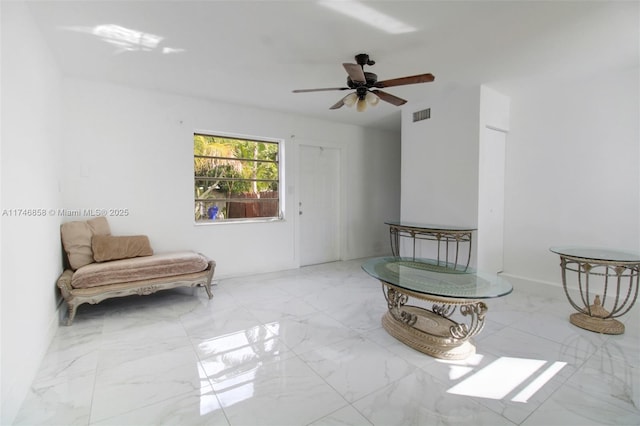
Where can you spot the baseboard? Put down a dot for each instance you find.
(520, 278)
(531, 285)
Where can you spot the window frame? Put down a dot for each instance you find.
(280, 180)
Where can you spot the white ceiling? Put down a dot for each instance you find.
(256, 52)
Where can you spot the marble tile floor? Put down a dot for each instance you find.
(306, 347)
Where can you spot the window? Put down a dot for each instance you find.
(236, 179)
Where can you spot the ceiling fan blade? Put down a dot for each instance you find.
(319, 90)
(414, 79)
(338, 104)
(355, 72)
(388, 97)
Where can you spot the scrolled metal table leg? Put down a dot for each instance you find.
(395, 302)
(476, 312)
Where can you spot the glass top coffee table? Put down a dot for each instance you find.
(434, 331)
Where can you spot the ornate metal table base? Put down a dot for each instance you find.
(599, 325)
(599, 321)
(433, 332)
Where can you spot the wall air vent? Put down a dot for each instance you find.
(422, 115)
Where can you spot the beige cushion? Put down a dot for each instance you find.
(107, 247)
(139, 269)
(76, 239)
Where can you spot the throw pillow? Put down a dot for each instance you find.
(106, 247)
(76, 239)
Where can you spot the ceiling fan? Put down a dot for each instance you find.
(366, 85)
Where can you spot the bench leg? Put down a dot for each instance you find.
(71, 313)
(207, 287)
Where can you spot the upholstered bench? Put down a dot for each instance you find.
(101, 266)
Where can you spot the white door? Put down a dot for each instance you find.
(318, 205)
(491, 201)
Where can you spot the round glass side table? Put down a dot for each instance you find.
(607, 284)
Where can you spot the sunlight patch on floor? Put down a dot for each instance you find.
(505, 375)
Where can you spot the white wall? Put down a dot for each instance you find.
(31, 260)
(572, 173)
(133, 149)
(373, 181)
(572, 170)
(440, 162)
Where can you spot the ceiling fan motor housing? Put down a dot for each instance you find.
(361, 92)
(363, 59)
(370, 78)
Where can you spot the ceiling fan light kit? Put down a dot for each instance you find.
(366, 86)
(372, 99)
(350, 99)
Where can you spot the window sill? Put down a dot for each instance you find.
(239, 221)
